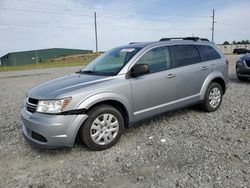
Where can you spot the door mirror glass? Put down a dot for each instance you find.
(139, 70)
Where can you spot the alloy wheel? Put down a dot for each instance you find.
(214, 97)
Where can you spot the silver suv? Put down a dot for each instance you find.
(122, 87)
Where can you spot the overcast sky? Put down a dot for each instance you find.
(37, 24)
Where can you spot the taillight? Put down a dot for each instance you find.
(226, 62)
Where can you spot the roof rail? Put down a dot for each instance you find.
(134, 42)
(204, 39)
(184, 38)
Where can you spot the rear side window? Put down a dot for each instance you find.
(208, 53)
(185, 55)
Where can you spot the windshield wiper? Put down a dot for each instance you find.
(87, 72)
(95, 73)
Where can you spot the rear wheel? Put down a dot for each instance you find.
(213, 97)
(103, 127)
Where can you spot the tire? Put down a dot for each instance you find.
(211, 92)
(243, 79)
(103, 128)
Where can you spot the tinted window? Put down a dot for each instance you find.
(185, 55)
(158, 59)
(208, 53)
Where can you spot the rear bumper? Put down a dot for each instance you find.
(51, 131)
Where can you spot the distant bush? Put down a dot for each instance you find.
(237, 42)
(242, 42)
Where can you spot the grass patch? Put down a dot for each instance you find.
(81, 60)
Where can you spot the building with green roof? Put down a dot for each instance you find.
(38, 56)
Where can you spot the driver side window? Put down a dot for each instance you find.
(158, 59)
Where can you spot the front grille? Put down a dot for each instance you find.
(247, 63)
(38, 137)
(31, 105)
(30, 108)
(33, 101)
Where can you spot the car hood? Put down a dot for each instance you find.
(52, 88)
(246, 57)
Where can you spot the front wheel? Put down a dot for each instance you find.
(213, 97)
(103, 128)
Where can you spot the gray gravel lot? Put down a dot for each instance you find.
(186, 148)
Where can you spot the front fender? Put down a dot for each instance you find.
(207, 82)
(104, 96)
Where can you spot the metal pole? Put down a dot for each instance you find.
(36, 59)
(96, 40)
(213, 27)
(5, 59)
(15, 62)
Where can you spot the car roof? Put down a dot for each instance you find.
(167, 41)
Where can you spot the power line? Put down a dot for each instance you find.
(117, 27)
(234, 33)
(41, 11)
(158, 19)
(122, 18)
(224, 22)
(103, 16)
(33, 26)
(95, 9)
(56, 12)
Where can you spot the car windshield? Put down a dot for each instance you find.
(111, 62)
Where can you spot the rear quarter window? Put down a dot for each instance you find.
(208, 53)
(185, 55)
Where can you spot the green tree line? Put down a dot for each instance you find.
(237, 42)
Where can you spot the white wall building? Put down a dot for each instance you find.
(228, 49)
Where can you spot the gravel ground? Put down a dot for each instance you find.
(186, 148)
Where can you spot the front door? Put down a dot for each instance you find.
(154, 92)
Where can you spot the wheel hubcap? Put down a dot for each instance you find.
(214, 97)
(104, 129)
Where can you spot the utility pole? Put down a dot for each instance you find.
(15, 62)
(213, 22)
(96, 40)
(36, 59)
(5, 60)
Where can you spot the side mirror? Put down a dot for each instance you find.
(139, 69)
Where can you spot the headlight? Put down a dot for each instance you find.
(52, 106)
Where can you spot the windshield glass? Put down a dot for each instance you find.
(111, 62)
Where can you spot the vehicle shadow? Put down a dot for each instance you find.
(233, 78)
(166, 115)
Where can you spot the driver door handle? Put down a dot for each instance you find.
(171, 76)
(204, 68)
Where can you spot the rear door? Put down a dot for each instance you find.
(191, 73)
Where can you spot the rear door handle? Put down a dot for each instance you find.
(171, 76)
(204, 68)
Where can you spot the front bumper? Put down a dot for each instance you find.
(44, 130)
(243, 70)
